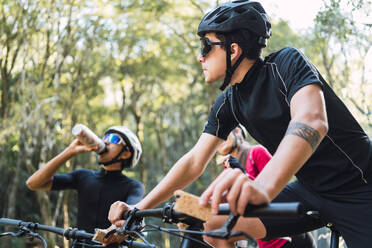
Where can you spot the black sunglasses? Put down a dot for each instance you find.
(206, 46)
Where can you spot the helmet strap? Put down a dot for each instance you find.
(230, 69)
(115, 159)
(235, 145)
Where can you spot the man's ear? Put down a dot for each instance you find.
(239, 134)
(125, 154)
(236, 51)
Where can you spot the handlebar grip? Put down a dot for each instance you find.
(283, 210)
(10, 222)
(125, 214)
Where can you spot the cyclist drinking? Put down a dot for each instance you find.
(97, 190)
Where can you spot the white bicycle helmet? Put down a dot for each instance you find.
(131, 140)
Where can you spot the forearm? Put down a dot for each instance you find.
(180, 176)
(294, 150)
(288, 159)
(42, 178)
(185, 171)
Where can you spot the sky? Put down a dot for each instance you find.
(299, 14)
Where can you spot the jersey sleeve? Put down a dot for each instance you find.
(135, 193)
(296, 71)
(221, 118)
(65, 181)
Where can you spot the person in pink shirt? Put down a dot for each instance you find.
(237, 152)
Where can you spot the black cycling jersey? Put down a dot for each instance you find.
(97, 190)
(261, 103)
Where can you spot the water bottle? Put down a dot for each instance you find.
(87, 137)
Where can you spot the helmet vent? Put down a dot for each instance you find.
(221, 19)
(240, 10)
(216, 11)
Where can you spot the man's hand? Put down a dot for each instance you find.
(116, 211)
(224, 161)
(115, 217)
(238, 189)
(77, 147)
(113, 238)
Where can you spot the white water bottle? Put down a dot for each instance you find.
(87, 137)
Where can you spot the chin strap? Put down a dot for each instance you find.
(230, 69)
(116, 159)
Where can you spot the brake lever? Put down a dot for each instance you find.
(224, 232)
(132, 224)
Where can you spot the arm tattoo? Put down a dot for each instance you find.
(306, 132)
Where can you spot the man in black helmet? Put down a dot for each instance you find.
(97, 190)
(287, 106)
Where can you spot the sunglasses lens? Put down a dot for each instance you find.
(112, 138)
(205, 48)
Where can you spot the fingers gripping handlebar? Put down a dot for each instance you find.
(273, 210)
(188, 211)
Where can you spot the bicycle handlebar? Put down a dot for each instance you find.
(166, 213)
(273, 210)
(169, 215)
(69, 233)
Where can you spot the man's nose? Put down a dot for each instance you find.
(200, 58)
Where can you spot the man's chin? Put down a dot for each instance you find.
(212, 80)
(209, 81)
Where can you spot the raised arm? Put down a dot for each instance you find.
(43, 177)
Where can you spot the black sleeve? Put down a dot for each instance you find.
(65, 181)
(296, 70)
(221, 119)
(135, 192)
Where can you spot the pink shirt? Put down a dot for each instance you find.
(257, 158)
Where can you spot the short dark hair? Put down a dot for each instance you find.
(246, 39)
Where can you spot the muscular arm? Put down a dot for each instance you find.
(307, 128)
(186, 170)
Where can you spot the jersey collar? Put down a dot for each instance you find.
(105, 173)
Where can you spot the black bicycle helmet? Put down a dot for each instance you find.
(228, 17)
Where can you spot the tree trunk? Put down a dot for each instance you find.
(66, 218)
(11, 211)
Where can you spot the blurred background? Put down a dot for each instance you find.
(133, 63)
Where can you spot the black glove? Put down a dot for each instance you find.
(234, 163)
